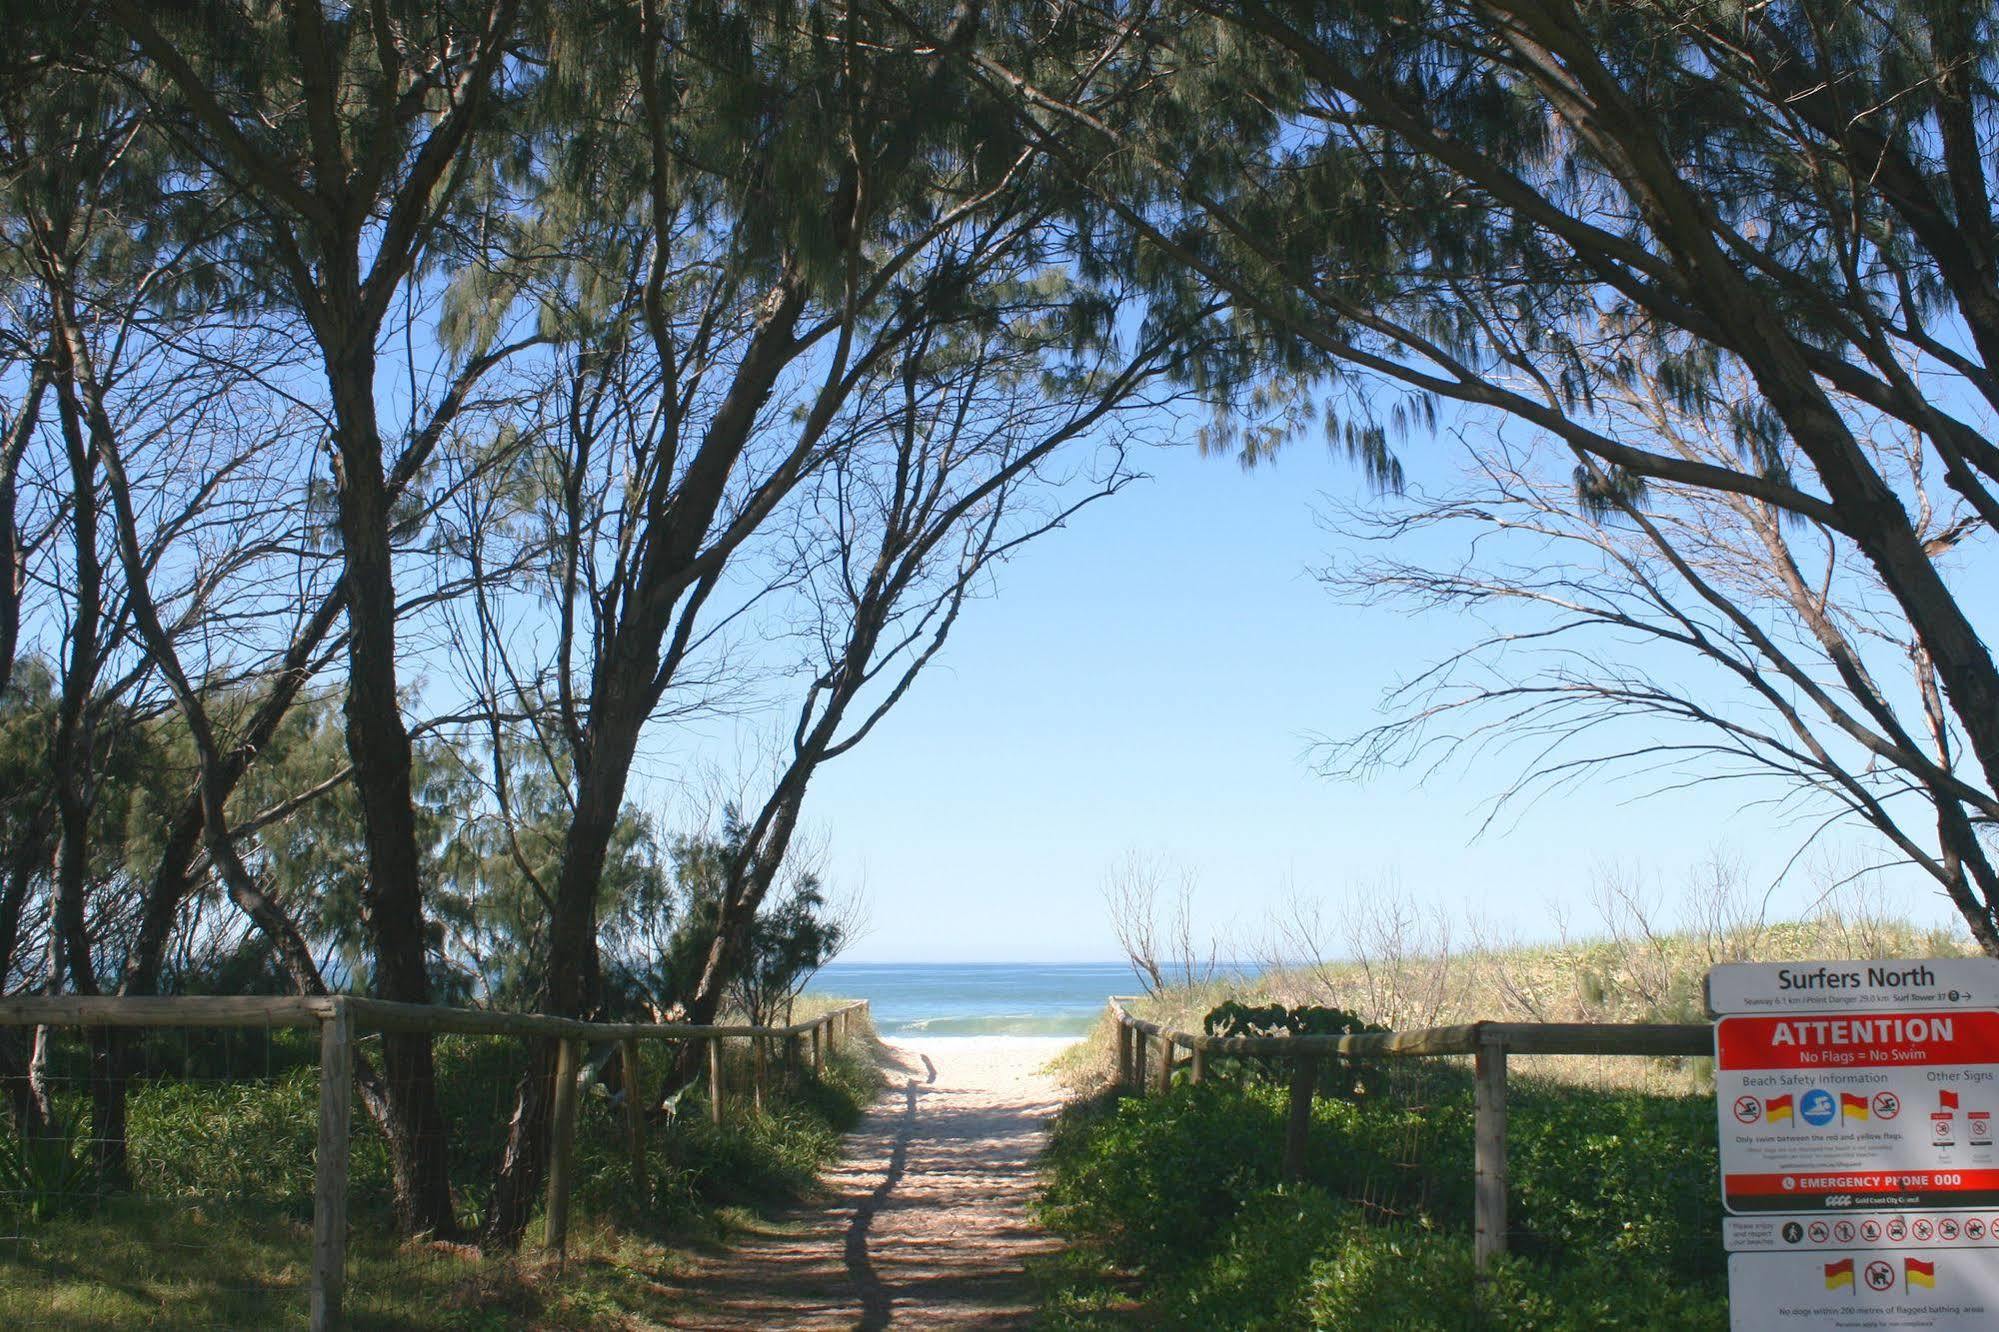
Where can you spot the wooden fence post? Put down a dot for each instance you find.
(1298, 1124)
(1164, 1074)
(562, 1140)
(1138, 1044)
(790, 1060)
(1124, 1070)
(818, 1049)
(329, 1184)
(1197, 1064)
(759, 1057)
(715, 1078)
(635, 1118)
(1489, 1133)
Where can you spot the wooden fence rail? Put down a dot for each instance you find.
(1489, 1043)
(339, 1017)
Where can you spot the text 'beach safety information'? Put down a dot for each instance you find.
(1856, 1103)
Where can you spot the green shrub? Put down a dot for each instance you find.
(1337, 1076)
(1401, 1278)
(1156, 1178)
(1425, 1282)
(1612, 1196)
(1620, 1173)
(48, 1174)
(1257, 1274)
(225, 1139)
(1599, 1294)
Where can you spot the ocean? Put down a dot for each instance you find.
(979, 999)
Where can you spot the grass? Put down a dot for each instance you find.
(217, 1229)
(1634, 974)
(144, 1263)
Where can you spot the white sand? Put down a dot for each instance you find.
(926, 1223)
(993, 1064)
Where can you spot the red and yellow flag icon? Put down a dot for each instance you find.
(1851, 1106)
(1777, 1107)
(1916, 1272)
(1839, 1274)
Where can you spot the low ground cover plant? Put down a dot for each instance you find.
(1177, 1217)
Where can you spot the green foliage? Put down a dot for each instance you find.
(1611, 1195)
(1338, 1075)
(1593, 1293)
(45, 1174)
(1256, 1274)
(790, 939)
(1622, 1174)
(188, 1139)
(1153, 1178)
(223, 1179)
(1425, 1281)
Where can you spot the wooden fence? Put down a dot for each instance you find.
(1489, 1043)
(339, 1017)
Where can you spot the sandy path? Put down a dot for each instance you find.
(925, 1221)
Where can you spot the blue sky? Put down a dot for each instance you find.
(1151, 679)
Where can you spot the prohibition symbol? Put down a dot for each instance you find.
(1843, 1232)
(1941, 1127)
(1880, 1276)
(1974, 1229)
(1887, 1105)
(1820, 1232)
(1947, 1229)
(1924, 1229)
(1748, 1109)
(1897, 1231)
(1870, 1230)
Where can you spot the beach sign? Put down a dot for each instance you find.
(1854, 1102)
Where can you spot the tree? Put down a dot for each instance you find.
(995, 435)
(1699, 638)
(793, 936)
(1158, 941)
(657, 937)
(1522, 207)
(784, 236)
(350, 137)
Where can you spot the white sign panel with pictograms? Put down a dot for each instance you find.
(1856, 1103)
(1867, 1110)
(1937, 1290)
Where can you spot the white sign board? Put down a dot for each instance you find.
(1856, 1103)
(1863, 1110)
(1845, 987)
(1935, 1290)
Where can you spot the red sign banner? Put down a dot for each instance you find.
(1862, 1040)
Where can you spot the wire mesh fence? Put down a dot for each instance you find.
(224, 1163)
(154, 1167)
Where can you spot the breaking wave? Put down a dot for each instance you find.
(995, 1024)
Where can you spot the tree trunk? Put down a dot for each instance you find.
(571, 982)
(379, 745)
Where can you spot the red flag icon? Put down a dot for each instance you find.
(1946, 1100)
